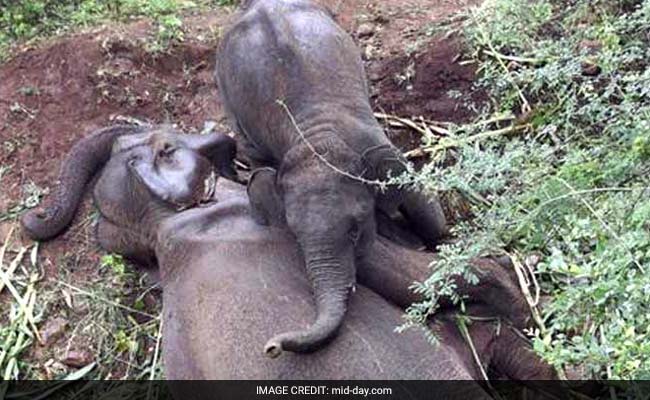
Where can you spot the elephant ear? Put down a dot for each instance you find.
(220, 149)
(423, 213)
(146, 174)
(267, 203)
(382, 162)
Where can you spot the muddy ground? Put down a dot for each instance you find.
(53, 93)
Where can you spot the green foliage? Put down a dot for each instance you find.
(115, 262)
(567, 178)
(26, 19)
(170, 29)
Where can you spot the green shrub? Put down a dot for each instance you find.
(567, 178)
(26, 19)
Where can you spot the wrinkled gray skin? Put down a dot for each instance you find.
(293, 51)
(228, 282)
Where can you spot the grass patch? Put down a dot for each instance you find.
(31, 19)
(557, 166)
(23, 311)
(112, 318)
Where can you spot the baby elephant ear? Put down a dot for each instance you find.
(267, 204)
(382, 162)
(220, 149)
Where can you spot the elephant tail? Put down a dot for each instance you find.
(84, 159)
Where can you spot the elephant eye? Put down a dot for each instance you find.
(166, 151)
(354, 232)
(134, 160)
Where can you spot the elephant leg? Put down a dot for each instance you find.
(391, 269)
(494, 348)
(126, 243)
(514, 357)
(267, 207)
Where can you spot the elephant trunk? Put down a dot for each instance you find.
(332, 281)
(79, 166)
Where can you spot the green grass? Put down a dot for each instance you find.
(107, 316)
(558, 166)
(31, 19)
(23, 311)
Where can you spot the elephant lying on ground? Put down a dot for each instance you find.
(293, 84)
(228, 282)
(93, 151)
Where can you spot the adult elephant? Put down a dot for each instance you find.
(93, 151)
(294, 86)
(228, 282)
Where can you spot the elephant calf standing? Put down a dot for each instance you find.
(294, 86)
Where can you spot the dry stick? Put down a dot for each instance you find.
(524, 285)
(523, 60)
(409, 123)
(103, 300)
(13, 266)
(497, 118)
(483, 135)
(538, 289)
(605, 225)
(532, 303)
(462, 326)
(157, 351)
(3, 250)
(379, 183)
(525, 108)
(154, 363)
(21, 301)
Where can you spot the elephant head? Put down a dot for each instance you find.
(332, 217)
(168, 164)
(83, 160)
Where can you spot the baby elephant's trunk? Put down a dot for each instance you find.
(81, 163)
(332, 281)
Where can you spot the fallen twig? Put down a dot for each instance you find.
(154, 363)
(455, 143)
(425, 129)
(522, 60)
(109, 302)
(462, 327)
(533, 302)
(12, 267)
(525, 106)
(524, 284)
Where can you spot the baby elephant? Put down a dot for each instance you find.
(294, 86)
(228, 282)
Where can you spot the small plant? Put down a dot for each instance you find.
(28, 19)
(170, 30)
(115, 263)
